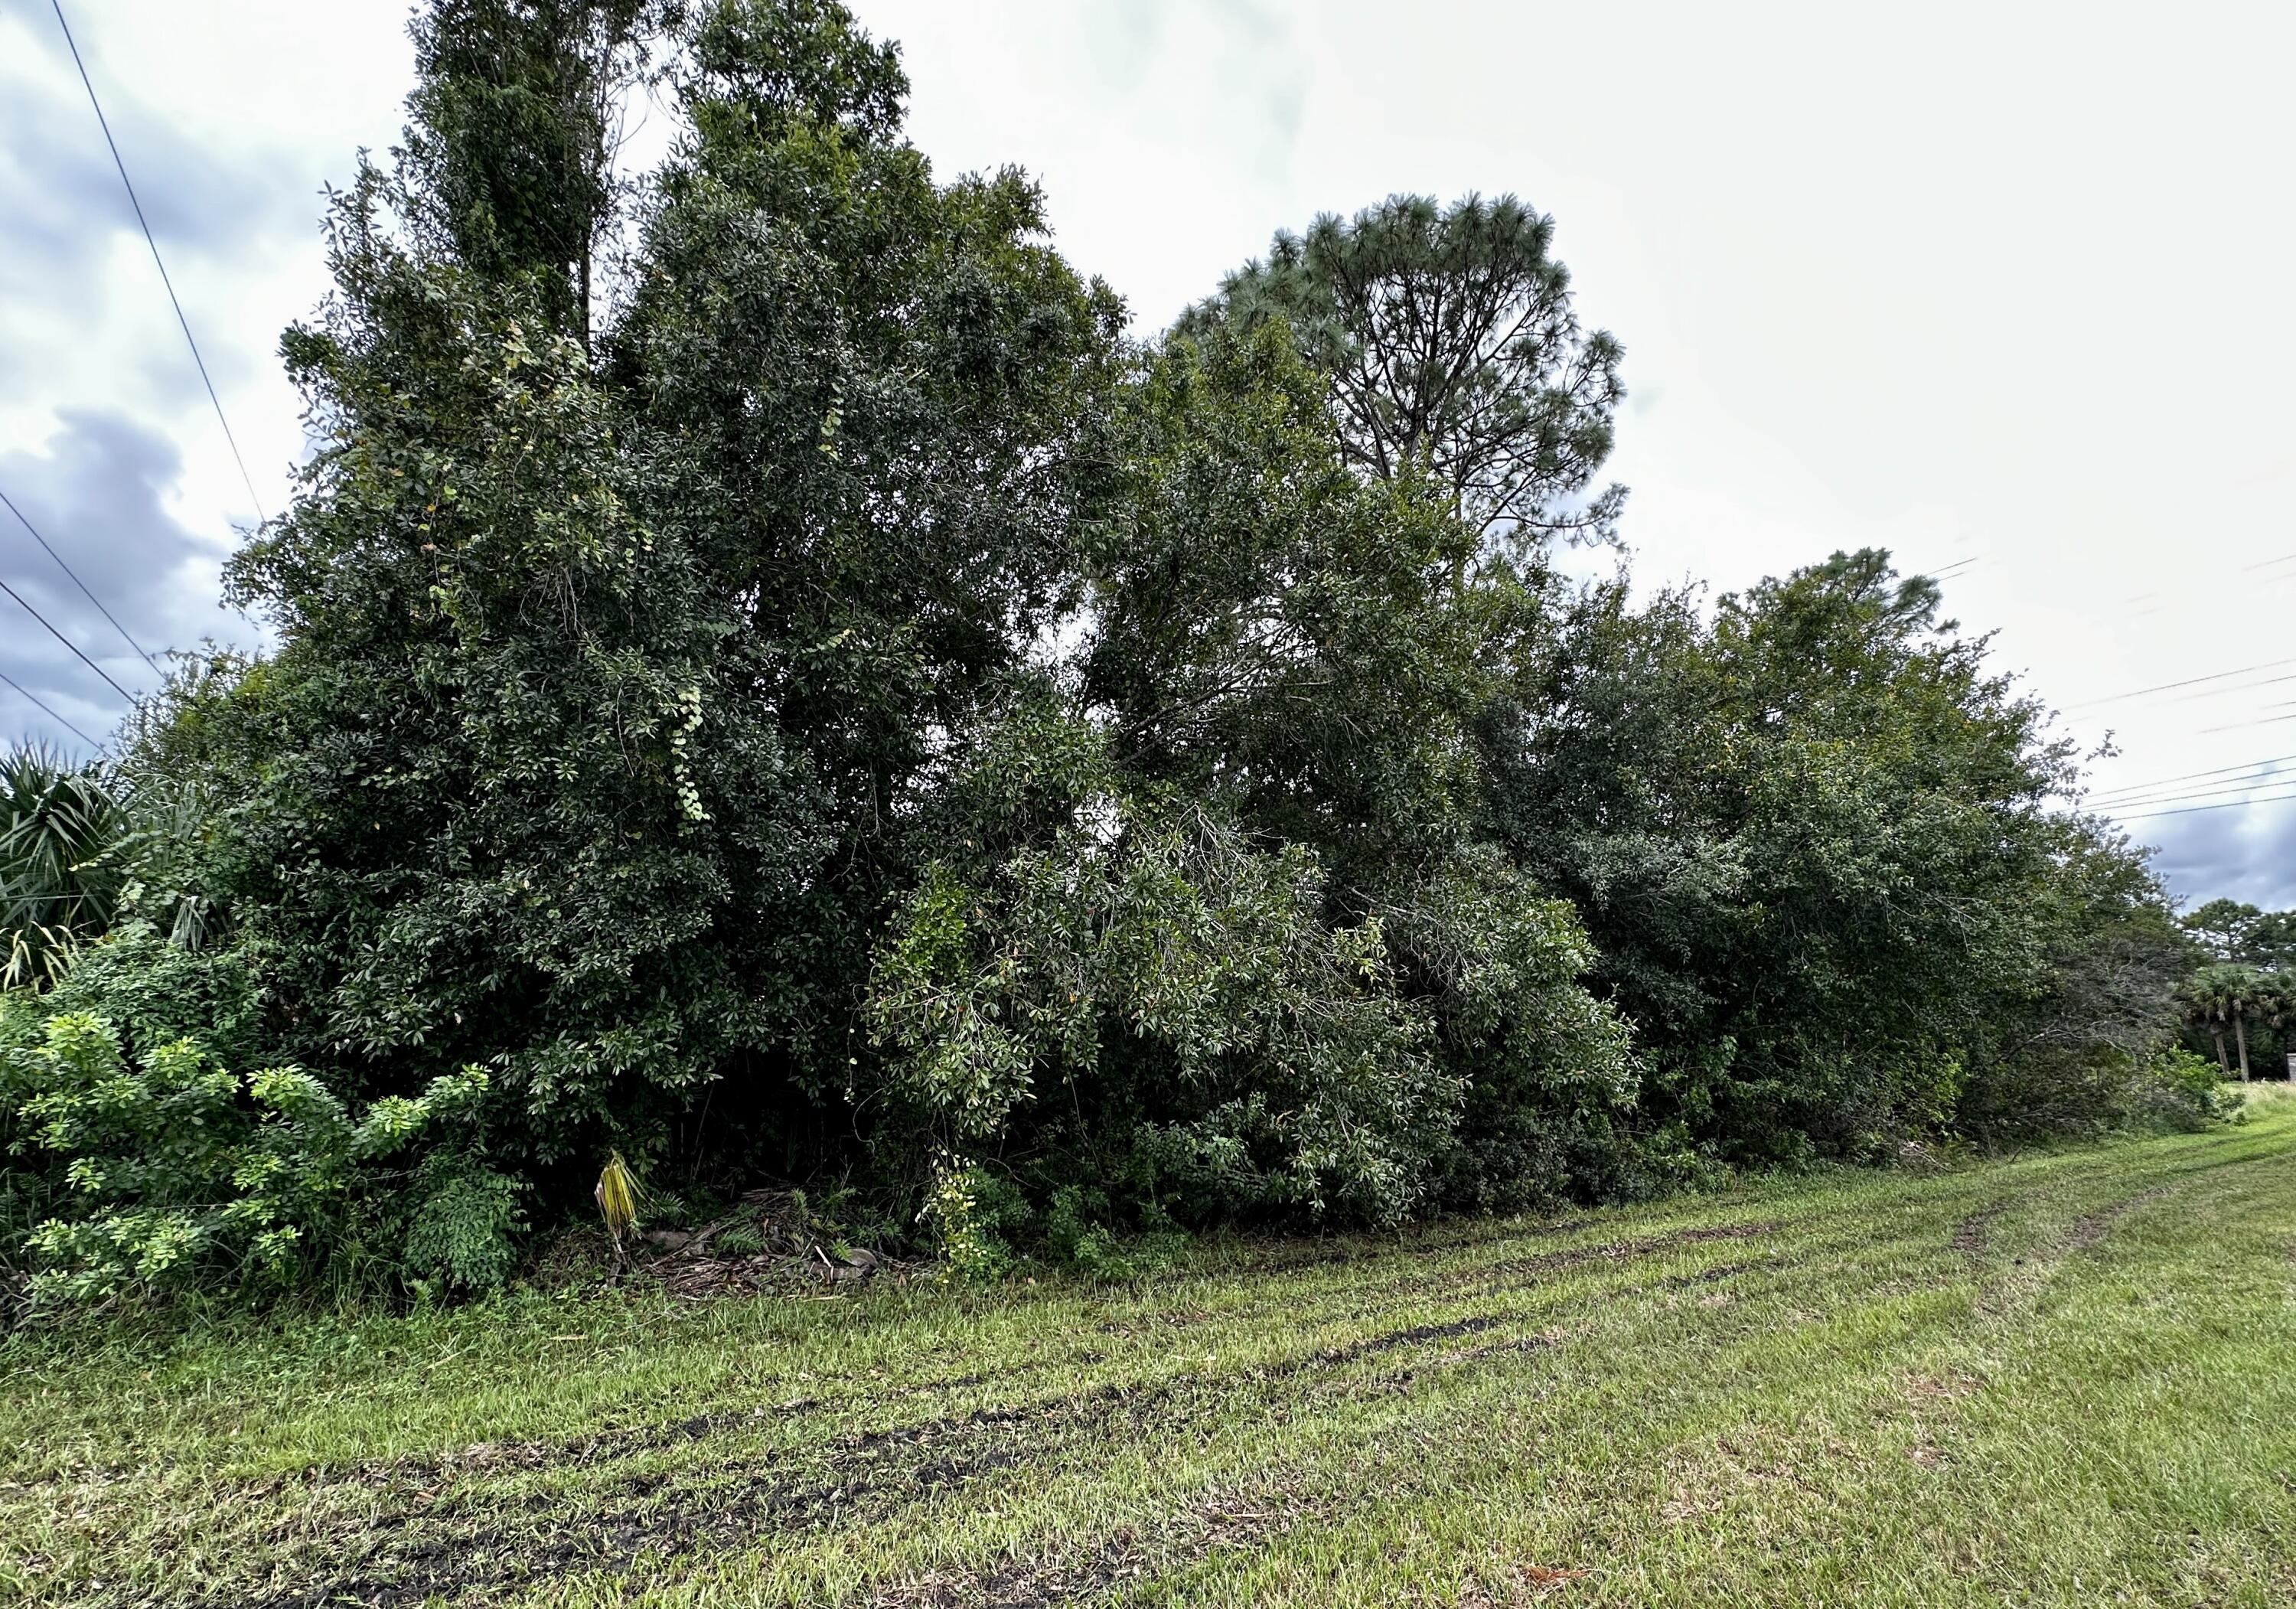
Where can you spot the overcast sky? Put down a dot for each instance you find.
(1999, 286)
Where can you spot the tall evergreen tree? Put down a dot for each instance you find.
(510, 157)
(606, 692)
(1453, 349)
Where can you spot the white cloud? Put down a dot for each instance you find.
(1958, 280)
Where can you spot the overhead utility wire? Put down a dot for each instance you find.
(2230, 804)
(149, 241)
(2162, 781)
(2248, 785)
(2269, 681)
(67, 642)
(2242, 726)
(83, 586)
(2191, 681)
(2239, 784)
(52, 715)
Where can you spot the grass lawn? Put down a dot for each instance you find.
(2067, 1379)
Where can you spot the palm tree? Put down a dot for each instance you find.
(2275, 1003)
(2221, 995)
(2244, 1001)
(2197, 1007)
(59, 880)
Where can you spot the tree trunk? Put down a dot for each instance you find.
(2223, 1065)
(2239, 1033)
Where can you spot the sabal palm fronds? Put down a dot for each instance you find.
(2222, 997)
(60, 877)
(165, 822)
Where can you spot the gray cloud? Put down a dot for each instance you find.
(2240, 854)
(64, 217)
(99, 494)
(60, 197)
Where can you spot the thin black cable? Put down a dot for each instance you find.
(2162, 781)
(2230, 804)
(74, 574)
(2242, 726)
(2247, 784)
(67, 642)
(105, 125)
(2188, 682)
(2278, 778)
(52, 715)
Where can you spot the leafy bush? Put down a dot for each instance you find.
(176, 1172)
(2177, 1089)
(463, 1233)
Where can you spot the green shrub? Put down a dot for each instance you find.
(173, 1172)
(1078, 1237)
(2181, 1090)
(463, 1233)
(153, 992)
(969, 1214)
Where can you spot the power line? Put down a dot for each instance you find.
(83, 586)
(2230, 804)
(52, 715)
(2191, 681)
(149, 240)
(2242, 726)
(2162, 781)
(67, 642)
(2269, 681)
(2248, 785)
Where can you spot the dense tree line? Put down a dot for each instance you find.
(774, 680)
(2238, 1002)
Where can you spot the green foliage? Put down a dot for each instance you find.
(1179, 990)
(513, 137)
(176, 1171)
(1452, 350)
(2180, 1090)
(966, 1214)
(1815, 844)
(463, 1235)
(767, 670)
(60, 883)
(598, 681)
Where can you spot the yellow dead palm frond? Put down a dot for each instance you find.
(618, 1195)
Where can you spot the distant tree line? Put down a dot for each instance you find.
(2243, 990)
(774, 681)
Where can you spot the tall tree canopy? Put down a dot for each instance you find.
(602, 686)
(772, 680)
(1451, 348)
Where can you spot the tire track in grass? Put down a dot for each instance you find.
(482, 1543)
(866, 1477)
(432, 1548)
(1345, 1304)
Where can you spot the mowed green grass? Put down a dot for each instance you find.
(2067, 1379)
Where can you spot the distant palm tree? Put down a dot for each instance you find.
(2275, 1003)
(2197, 1009)
(2220, 996)
(2244, 1001)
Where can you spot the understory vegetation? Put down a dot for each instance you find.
(775, 680)
(2059, 1380)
